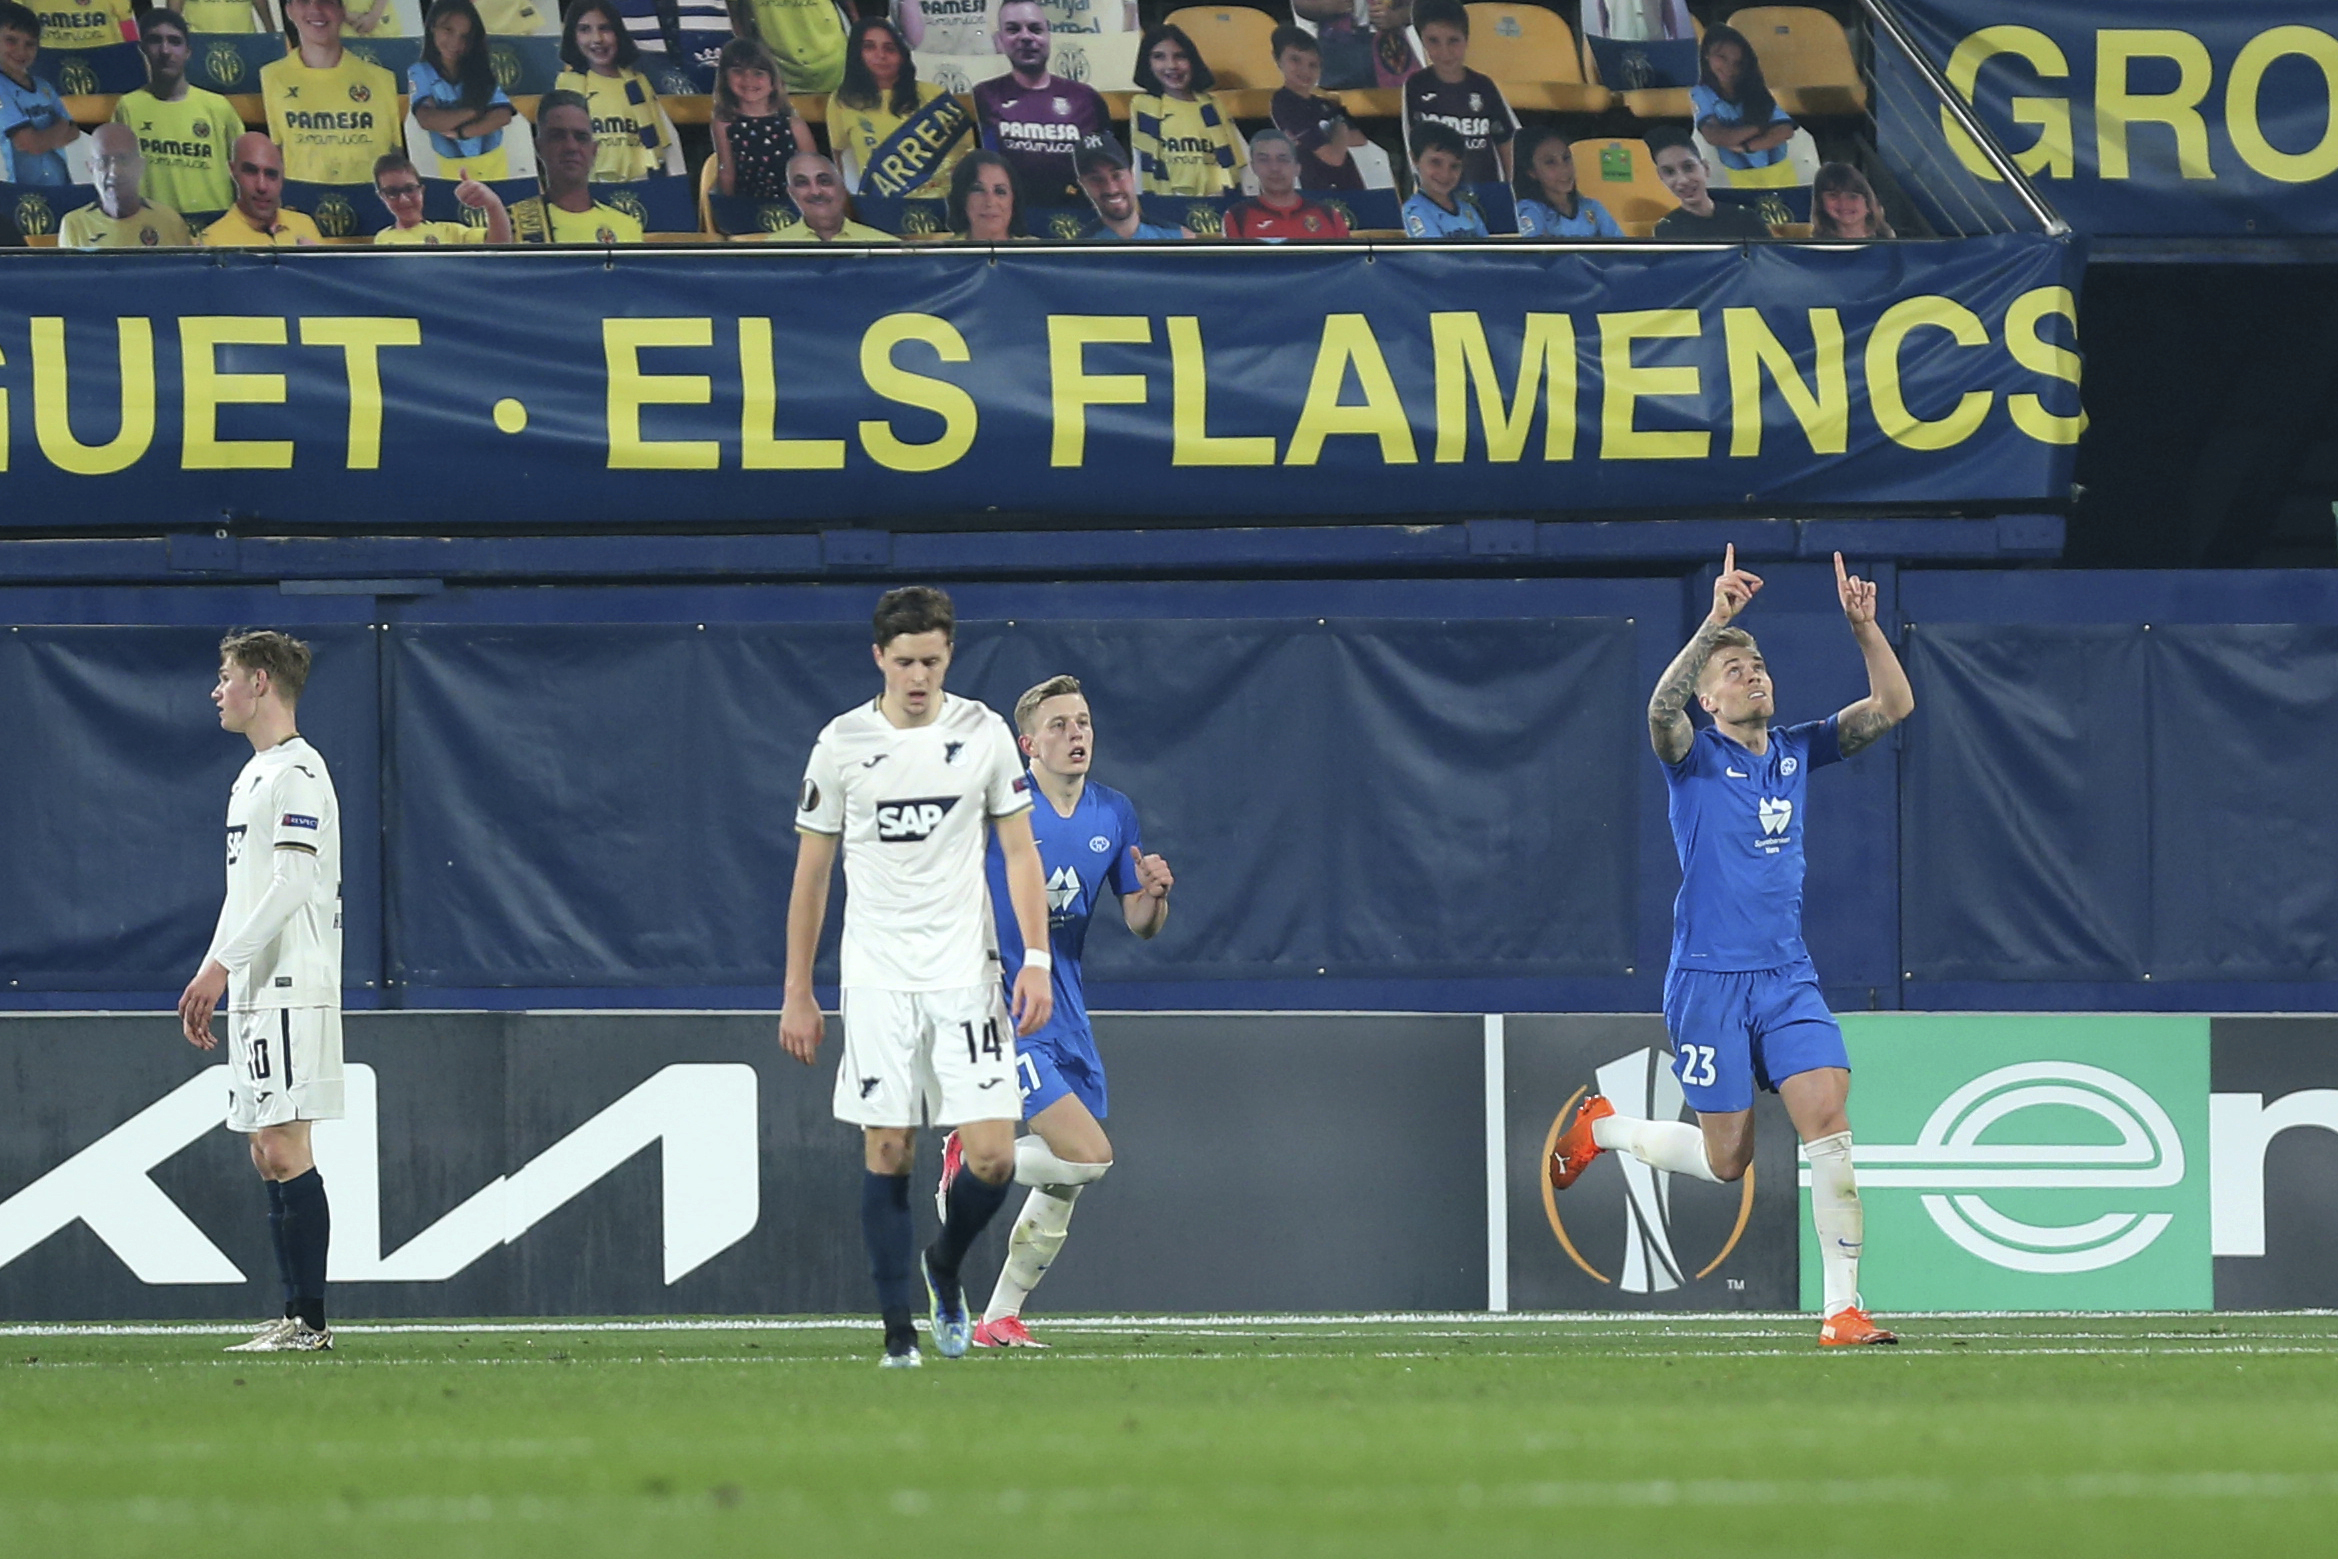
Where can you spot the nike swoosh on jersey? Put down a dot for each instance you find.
(1733, 774)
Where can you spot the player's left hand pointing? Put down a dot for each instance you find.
(198, 1001)
(1153, 874)
(1857, 595)
(1034, 1001)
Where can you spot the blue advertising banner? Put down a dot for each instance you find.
(340, 388)
(2150, 118)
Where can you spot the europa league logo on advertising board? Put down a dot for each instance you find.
(1625, 1236)
(1641, 1084)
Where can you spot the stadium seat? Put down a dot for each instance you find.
(1644, 103)
(1806, 58)
(1235, 40)
(1531, 54)
(708, 172)
(1622, 177)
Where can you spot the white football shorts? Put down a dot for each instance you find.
(917, 1058)
(283, 1065)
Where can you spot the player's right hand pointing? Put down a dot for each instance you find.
(1732, 590)
(801, 1027)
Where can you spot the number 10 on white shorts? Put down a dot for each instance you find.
(918, 1058)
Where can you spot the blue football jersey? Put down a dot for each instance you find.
(1737, 820)
(1085, 860)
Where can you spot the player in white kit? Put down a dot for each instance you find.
(275, 963)
(910, 785)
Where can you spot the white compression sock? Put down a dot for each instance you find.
(1039, 1229)
(1037, 1235)
(1839, 1219)
(1036, 1165)
(1669, 1145)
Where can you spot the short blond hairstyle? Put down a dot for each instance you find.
(285, 658)
(1028, 705)
(1726, 639)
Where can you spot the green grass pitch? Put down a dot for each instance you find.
(1549, 1436)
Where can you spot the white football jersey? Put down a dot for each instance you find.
(284, 796)
(914, 808)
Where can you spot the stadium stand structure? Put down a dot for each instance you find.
(1545, 66)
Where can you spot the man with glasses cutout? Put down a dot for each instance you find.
(400, 188)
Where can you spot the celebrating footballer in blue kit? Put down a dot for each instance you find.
(910, 787)
(1741, 999)
(1089, 846)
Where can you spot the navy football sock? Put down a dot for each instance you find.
(308, 1233)
(276, 1221)
(885, 1231)
(973, 1203)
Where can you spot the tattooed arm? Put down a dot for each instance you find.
(1889, 699)
(1669, 730)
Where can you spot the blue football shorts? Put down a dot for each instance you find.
(1046, 1071)
(1735, 1032)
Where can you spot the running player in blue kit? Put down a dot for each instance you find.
(1741, 999)
(1089, 846)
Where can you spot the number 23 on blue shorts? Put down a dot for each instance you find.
(1734, 1032)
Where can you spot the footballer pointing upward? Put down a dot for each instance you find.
(912, 784)
(1741, 999)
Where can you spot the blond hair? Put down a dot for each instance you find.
(1726, 639)
(285, 658)
(1028, 705)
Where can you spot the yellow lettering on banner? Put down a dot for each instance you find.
(1823, 406)
(2240, 104)
(1462, 356)
(1192, 443)
(1348, 340)
(630, 389)
(2051, 152)
(2115, 108)
(1899, 424)
(204, 389)
(759, 413)
(361, 340)
(1627, 383)
(2044, 358)
(945, 400)
(1075, 389)
(52, 399)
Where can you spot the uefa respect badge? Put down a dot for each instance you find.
(2029, 1162)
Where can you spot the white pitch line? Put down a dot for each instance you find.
(1685, 1324)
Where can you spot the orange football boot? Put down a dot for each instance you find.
(1008, 1331)
(1576, 1147)
(1849, 1327)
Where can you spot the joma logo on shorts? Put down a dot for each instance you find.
(912, 820)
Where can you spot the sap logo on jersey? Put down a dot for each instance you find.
(908, 821)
